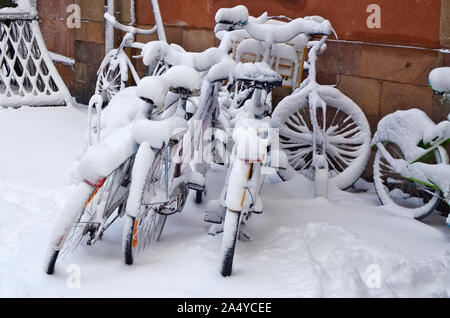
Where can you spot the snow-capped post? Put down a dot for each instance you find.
(158, 21)
(109, 28)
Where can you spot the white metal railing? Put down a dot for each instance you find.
(27, 74)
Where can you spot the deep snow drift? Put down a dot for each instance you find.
(301, 246)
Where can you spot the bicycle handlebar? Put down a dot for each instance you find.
(285, 32)
(126, 28)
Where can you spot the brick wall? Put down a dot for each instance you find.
(58, 38)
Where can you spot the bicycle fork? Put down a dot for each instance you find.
(235, 198)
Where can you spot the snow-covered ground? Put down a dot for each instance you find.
(302, 247)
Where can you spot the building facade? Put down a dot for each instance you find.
(388, 47)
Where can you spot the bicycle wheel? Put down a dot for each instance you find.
(344, 130)
(230, 235)
(139, 231)
(410, 198)
(85, 215)
(109, 77)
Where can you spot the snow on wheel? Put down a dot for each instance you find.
(140, 231)
(88, 213)
(346, 134)
(111, 75)
(409, 198)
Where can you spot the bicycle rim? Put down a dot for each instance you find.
(148, 226)
(410, 198)
(344, 132)
(109, 81)
(98, 208)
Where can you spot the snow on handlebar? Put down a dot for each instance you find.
(238, 17)
(126, 28)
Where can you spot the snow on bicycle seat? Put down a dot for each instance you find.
(439, 80)
(155, 88)
(231, 16)
(259, 73)
(121, 110)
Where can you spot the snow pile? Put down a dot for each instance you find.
(405, 128)
(121, 110)
(260, 72)
(439, 131)
(301, 246)
(249, 46)
(235, 15)
(438, 174)
(153, 88)
(102, 158)
(221, 71)
(157, 132)
(439, 79)
(283, 33)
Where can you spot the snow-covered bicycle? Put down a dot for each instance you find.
(162, 174)
(411, 168)
(113, 73)
(252, 153)
(159, 181)
(324, 134)
(105, 168)
(252, 146)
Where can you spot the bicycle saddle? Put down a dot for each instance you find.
(439, 80)
(180, 79)
(259, 75)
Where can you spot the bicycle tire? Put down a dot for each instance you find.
(347, 130)
(230, 236)
(109, 78)
(139, 231)
(404, 194)
(68, 235)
